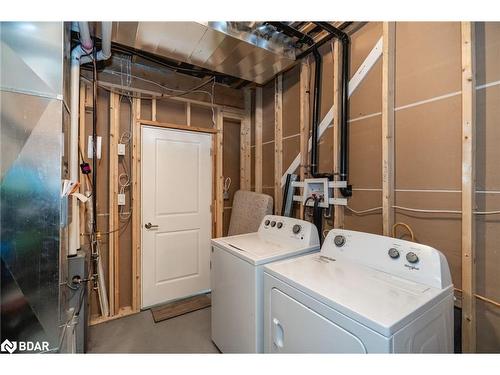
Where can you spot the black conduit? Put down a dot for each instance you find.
(344, 135)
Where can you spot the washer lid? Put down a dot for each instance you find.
(257, 248)
(378, 300)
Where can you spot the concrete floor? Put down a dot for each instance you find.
(189, 333)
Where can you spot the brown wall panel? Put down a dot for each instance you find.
(487, 247)
(365, 153)
(362, 42)
(325, 152)
(488, 138)
(428, 60)
(428, 153)
(268, 112)
(146, 108)
(231, 157)
(488, 328)
(171, 112)
(371, 222)
(367, 99)
(202, 117)
(291, 102)
(441, 231)
(226, 217)
(268, 165)
(487, 52)
(290, 151)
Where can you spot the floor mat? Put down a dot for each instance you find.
(184, 306)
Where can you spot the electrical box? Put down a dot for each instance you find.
(121, 199)
(317, 187)
(90, 147)
(121, 149)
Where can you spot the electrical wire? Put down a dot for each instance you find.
(130, 94)
(362, 212)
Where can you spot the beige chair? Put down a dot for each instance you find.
(249, 208)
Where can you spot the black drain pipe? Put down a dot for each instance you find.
(344, 140)
(315, 117)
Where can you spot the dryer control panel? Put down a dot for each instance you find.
(289, 229)
(405, 259)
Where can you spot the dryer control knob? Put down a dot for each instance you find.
(279, 225)
(296, 228)
(339, 240)
(266, 223)
(412, 257)
(393, 253)
(273, 223)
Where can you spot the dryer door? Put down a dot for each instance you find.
(295, 328)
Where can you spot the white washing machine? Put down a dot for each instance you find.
(362, 293)
(237, 278)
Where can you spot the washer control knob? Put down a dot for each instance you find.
(296, 228)
(412, 257)
(266, 223)
(393, 253)
(273, 223)
(279, 225)
(339, 240)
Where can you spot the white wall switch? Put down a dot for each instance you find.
(121, 199)
(121, 148)
(90, 147)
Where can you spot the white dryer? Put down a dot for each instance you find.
(237, 278)
(362, 293)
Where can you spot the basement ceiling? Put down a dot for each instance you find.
(252, 51)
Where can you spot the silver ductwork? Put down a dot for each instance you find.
(34, 118)
(254, 51)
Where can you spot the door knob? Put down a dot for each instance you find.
(149, 226)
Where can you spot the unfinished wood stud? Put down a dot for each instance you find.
(337, 105)
(278, 142)
(388, 65)
(304, 98)
(258, 139)
(468, 187)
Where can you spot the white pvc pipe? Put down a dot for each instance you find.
(85, 39)
(80, 55)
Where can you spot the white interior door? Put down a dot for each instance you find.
(176, 217)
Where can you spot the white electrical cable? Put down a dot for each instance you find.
(421, 210)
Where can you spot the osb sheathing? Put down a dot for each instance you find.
(231, 165)
(427, 145)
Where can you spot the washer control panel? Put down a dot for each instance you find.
(289, 228)
(409, 260)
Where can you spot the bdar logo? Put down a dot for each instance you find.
(8, 346)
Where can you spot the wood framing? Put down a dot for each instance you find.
(337, 105)
(178, 127)
(278, 142)
(153, 109)
(219, 177)
(188, 114)
(136, 205)
(354, 82)
(304, 98)
(388, 62)
(258, 139)
(114, 223)
(245, 144)
(468, 187)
